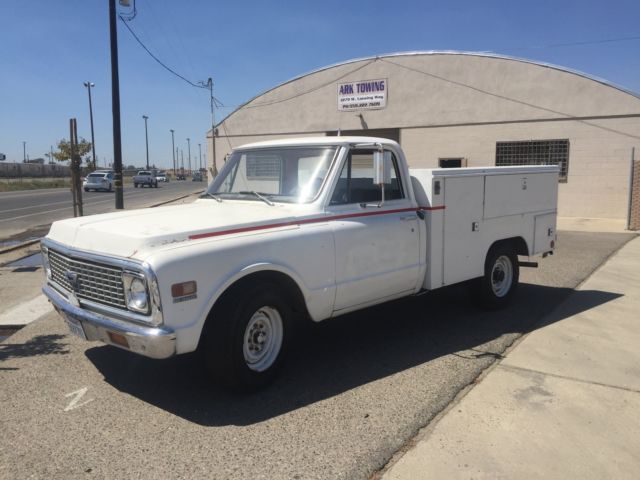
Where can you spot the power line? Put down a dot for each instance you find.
(509, 99)
(157, 59)
(574, 44)
(281, 100)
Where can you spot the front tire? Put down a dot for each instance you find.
(246, 337)
(496, 288)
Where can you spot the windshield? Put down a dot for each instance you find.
(282, 174)
(97, 175)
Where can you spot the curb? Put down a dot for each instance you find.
(37, 240)
(174, 200)
(19, 246)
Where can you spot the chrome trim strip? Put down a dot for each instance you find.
(153, 342)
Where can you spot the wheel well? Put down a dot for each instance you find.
(285, 284)
(517, 243)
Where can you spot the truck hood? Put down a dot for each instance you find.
(135, 233)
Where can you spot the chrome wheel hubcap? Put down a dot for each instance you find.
(501, 276)
(263, 339)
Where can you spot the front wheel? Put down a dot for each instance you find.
(495, 289)
(246, 338)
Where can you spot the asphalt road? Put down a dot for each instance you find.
(29, 213)
(354, 389)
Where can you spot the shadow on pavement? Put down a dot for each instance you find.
(335, 356)
(40, 345)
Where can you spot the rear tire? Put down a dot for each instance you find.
(496, 288)
(135, 185)
(246, 337)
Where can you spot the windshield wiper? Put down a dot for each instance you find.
(211, 195)
(260, 196)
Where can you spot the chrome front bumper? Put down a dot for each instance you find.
(153, 342)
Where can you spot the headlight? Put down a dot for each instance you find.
(45, 261)
(135, 292)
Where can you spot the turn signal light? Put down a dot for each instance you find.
(118, 339)
(183, 289)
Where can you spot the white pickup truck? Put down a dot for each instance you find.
(145, 177)
(292, 230)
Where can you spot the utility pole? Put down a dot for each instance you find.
(24, 152)
(146, 137)
(189, 147)
(93, 141)
(182, 155)
(50, 153)
(213, 127)
(76, 187)
(200, 162)
(115, 104)
(173, 153)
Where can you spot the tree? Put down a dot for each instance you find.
(64, 149)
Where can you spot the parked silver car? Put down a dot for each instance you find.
(98, 181)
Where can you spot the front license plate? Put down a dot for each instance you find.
(75, 327)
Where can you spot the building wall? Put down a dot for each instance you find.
(460, 105)
(599, 159)
(634, 216)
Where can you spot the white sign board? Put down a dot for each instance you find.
(362, 95)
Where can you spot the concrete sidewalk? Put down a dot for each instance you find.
(563, 403)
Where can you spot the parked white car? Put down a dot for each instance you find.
(98, 181)
(292, 230)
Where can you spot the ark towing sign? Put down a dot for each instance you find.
(362, 95)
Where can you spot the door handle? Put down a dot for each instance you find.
(408, 218)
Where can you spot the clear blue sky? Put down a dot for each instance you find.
(49, 48)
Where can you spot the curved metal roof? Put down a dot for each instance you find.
(441, 52)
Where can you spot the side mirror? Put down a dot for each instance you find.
(381, 167)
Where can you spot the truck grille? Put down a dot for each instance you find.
(95, 281)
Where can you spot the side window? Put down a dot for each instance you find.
(355, 184)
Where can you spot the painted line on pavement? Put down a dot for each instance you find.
(26, 312)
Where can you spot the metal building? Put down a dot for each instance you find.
(455, 109)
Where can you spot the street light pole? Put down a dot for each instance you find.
(189, 147)
(93, 142)
(200, 161)
(173, 152)
(146, 138)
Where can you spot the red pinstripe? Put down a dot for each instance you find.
(309, 220)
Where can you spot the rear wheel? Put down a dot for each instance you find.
(495, 289)
(135, 185)
(246, 337)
